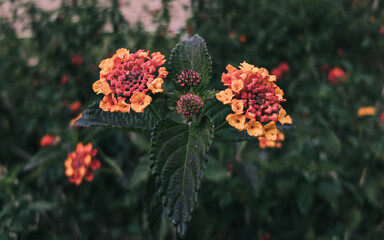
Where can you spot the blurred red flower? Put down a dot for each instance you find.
(277, 72)
(77, 59)
(381, 30)
(230, 167)
(242, 38)
(81, 163)
(280, 70)
(382, 117)
(284, 66)
(335, 75)
(75, 107)
(64, 79)
(49, 140)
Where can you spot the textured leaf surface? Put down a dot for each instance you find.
(178, 154)
(94, 116)
(191, 54)
(217, 111)
(232, 134)
(154, 210)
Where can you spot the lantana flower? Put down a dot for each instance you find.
(336, 74)
(49, 140)
(127, 79)
(255, 100)
(81, 163)
(366, 111)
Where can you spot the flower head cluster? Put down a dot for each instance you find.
(255, 100)
(81, 163)
(336, 74)
(264, 142)
(189, 105)
(49, 140)
(188, 78)
(366, 111)
(126, 79)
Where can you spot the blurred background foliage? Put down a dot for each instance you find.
(326, 182)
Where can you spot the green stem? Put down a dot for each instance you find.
(221, 126)
(109, 161)
(154, 112)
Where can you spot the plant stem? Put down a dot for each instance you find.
(109, 161)
(154, 112)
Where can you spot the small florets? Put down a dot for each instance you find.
(188, 78)
(189, 105)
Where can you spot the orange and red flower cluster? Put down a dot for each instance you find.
(125, 80)
(264, 142)
(280, 70)
(81, 163)
(255, 100)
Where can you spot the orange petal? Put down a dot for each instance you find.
(122, 53)
(155, 85)
(236, 121)
(225, 96)
(69, 172)
(283, 117)
(279, 93)
(246, 67)
(158, 58)
(254, 128)
(270, 131)
(122, 106)
(87, 159)
(237, 85)
(101, 86)
(139, 101)
(162, 72)
(237, 106)
(230, 68)
(106, 66)
(108, 102)
(68, 162)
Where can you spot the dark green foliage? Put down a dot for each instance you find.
(191, 54)
(178, 155)
(326, 182)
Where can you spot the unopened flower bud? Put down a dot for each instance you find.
(189, 105)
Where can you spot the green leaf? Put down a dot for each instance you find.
(217, 111)
(94, 116)
(178, 155)
(191, 54)
(154, 211)
(41, 206)
(305, 198)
